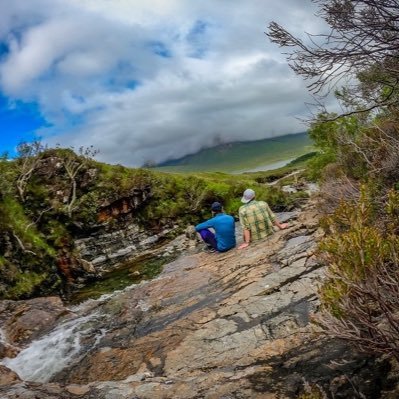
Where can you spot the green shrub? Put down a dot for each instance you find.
(360, 296)
(23, 227)
(38, 225)
(317, 164)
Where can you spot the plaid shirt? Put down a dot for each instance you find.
(257, 217)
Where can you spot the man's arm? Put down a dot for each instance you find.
(245, 230)
(281, 226)
(204, 225)
(247, 239)
(274, 220)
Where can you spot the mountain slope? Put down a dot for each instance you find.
(242, 156)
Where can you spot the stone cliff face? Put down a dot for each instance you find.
(43, 231)
(119, 237)
(233, 325)
(110, 209)
(104, 251)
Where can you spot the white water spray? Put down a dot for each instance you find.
(2, 337)
(53, 352)
(65, 345)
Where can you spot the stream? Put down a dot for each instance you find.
(88, 321)
(63, 346)
(90, 318)
(132, 272)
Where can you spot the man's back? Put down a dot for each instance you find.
(224, 226)
(257, 217)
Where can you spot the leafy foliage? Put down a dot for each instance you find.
(358, 165)
(329, 137)
(7, 174)
(361, 294)
(62, 198)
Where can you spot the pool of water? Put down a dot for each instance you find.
(142, 268)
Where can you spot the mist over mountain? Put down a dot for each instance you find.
(147, 81)
(242, 155)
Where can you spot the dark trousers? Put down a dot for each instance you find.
(209, 238)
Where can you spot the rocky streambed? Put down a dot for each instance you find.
(232, 325)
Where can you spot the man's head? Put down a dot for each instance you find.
(248, 195)
(216, 207)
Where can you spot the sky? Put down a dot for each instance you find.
(148, 81)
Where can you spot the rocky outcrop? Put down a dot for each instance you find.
(7, 377)
(232, 325)
(112, 208)
(23, 321)
(105, 251)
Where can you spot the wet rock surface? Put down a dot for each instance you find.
(106, 251)
(23, 321)
(7, 376)
(231, 325)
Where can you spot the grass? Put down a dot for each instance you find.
(23, 227)
(241, 156)
(25, 284)
(175, 199)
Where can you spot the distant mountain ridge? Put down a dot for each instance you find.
(241, 154)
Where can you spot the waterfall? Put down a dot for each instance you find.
(50, 354)
(66, 344)
(2, 337)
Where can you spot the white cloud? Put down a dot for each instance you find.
(153, 80)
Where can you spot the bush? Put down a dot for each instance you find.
(41, 223)
(361, 295)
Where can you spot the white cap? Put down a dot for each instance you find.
(248, 195)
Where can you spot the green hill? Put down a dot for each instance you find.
(52, 197)
(243, 156)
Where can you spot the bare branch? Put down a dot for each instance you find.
(38, 218)
(28, 159)
(73, 164)
(20, 243)
(363, 41)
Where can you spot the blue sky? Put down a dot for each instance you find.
(19, 122)
(147, 81)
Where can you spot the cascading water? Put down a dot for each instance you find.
(66, 344)
(63, 346)
(50, 354)
(2, 337)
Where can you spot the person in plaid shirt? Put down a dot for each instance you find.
(256, 218)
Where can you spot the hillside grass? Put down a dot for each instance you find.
(241, 156)
(37, 235)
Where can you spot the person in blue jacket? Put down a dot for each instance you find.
(224, 227)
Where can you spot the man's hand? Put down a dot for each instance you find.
(283, 226)
(244, 245)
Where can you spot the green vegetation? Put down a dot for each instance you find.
(242, 156)
(26, 283)
(23, 227)
(312, 392)
(64, 195)
(332, 139)
(357, 165)
(142, 268)
(360, 297)
(187, 198)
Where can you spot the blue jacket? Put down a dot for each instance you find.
(224, 227)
